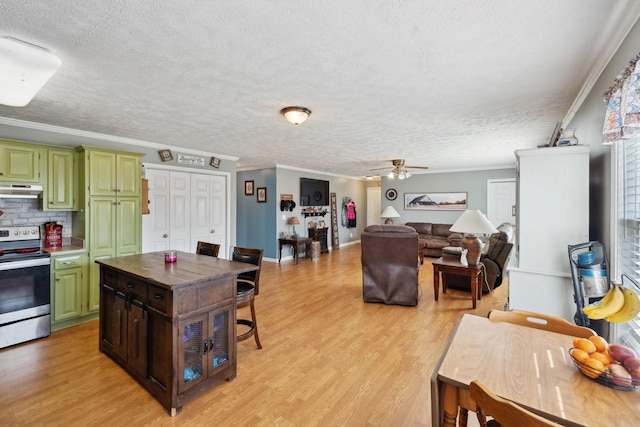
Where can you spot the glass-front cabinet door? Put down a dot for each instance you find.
(191, 351)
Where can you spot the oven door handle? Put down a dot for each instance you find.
(35, 262)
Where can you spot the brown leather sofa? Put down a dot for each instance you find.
(435, 237)
(390, 264)
(495, 260)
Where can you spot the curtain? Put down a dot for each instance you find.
(622, 120)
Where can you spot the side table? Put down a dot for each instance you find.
(453, 266)
(295, 244)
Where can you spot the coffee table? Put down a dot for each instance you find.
(453, 266)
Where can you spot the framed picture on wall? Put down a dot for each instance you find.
(435, 201)
(262, 194)
(248, 188)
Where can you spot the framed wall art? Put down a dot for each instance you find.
(262, 194)
(215, 162)
(248, 188)
(435, 201)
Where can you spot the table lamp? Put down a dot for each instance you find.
(293, 221)
(473, 222)
(389, 212)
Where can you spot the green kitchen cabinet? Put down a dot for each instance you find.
(19, 162)
(69, 295)
(111, 217)
(61, 190)
(114, 174)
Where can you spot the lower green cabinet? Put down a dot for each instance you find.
(69, 290)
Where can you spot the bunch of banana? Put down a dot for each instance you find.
(618, 305)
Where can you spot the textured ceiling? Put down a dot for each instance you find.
(447, 84)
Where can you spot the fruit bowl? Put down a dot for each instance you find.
(603, 377)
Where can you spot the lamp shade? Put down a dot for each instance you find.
(472, 221)
(389, 212)
(295, 115)
(24, 70)
(293, 220)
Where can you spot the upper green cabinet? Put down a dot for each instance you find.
(19, 162)
(61, 188)
(114, 174)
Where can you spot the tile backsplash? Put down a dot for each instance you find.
(29, 212)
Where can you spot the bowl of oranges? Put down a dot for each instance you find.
(611, 365)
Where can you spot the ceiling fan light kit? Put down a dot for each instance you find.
(295, 115)
(24, 69)
(399, 169)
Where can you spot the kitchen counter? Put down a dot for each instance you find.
(75, 246)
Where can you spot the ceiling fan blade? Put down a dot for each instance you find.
(417, 167)
(377, 169)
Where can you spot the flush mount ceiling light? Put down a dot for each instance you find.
(295, 115)
(24, 69)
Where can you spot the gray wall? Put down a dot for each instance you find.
(474, 183)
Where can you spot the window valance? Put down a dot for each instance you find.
(622, 119)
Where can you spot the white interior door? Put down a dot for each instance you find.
(373, 205)
(185, 207)
(208, 210)
(180, 212)
(501, 201)
(155, 225)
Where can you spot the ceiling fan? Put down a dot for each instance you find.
(399, 169)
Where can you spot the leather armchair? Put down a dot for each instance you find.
(494, 261)
(390, 264)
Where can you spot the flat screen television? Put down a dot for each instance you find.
(314, 192)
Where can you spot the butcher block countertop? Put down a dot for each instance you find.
(189, 268)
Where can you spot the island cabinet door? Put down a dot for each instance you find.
(160, 361)
(192, 346)
(137, 338)
(221, 348)
(113, 319)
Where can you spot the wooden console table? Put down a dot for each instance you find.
(171, 326)
(453, 266)
(295, 244)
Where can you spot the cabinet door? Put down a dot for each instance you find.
(221, 336)
(192, 339)
(113, 318)
(137, 339)
(67, 297)
(102, 174)
(93, 284)
(61, 186)
(128, 175)
(19, 163)
(102, 217)
(129, 225)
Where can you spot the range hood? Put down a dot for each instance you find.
(20, 191)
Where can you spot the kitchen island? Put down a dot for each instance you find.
(171, 326)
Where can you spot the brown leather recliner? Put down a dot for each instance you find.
(390, 264)
(494, 261)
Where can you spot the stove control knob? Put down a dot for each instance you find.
(17, 232)
(25, 232)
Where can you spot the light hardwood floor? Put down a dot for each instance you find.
(328, 360)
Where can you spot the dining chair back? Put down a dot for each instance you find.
(206, 248)
(248, 285)
(541, 321)
(504, 412)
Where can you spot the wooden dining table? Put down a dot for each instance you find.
(530, 367)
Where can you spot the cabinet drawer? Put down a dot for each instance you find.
(131, 285)
(158, 298)
(108, 277)
(61, 263)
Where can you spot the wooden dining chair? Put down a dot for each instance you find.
(541, 321)
(206, 248)
(504, 412)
